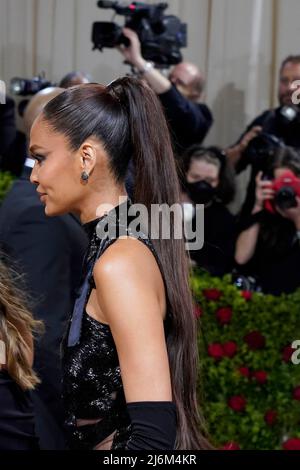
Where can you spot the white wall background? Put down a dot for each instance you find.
(238, 44)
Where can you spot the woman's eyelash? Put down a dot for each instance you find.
(38, 158)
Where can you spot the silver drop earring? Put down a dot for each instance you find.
(84, 176)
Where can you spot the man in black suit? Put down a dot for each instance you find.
(49, 251)
(12, 140)
(8, 130)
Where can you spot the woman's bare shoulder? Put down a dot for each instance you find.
(127, 274)
(127, 256)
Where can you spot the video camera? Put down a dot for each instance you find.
(26, 87)
(287, 188)
(161, 36)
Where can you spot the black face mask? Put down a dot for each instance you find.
(200, 192)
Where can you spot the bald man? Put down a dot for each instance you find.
(188, 80)
(74, 78)
(49, 252)
(179, 94)
(36, 105)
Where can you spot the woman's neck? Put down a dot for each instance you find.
(99, 205)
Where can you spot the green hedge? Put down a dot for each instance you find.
(249, 387)
(6, 180)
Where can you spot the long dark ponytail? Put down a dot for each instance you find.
(127, 117)
(157, 183)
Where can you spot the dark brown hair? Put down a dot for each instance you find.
(285, 157)
(128, 119)
(294, 59)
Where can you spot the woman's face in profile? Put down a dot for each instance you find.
(56, 172)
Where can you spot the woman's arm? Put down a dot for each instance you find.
(246, 243)
(130, 293)
(247, 240)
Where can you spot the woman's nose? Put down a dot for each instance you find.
(33, 176)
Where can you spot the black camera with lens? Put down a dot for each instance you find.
(161, 36)
(279, 127)
(261, 148)
(26, 87)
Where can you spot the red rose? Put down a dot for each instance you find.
(245, 371)
(287, 353)
(229, 349)
(296, 393)
(237, 403)
(247, 294)
(270, 417)
(198, 312)
(231, 446)
(212, 294)
(255, 340)
(292, 444)
(261, 376)
(215, 350)
(224, 315)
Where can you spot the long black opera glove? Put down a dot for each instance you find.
(153, 424)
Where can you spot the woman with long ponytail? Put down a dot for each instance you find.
(129, 354)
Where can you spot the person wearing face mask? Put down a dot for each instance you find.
(209, 181)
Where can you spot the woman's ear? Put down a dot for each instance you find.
(88, 156)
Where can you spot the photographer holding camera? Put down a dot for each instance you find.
(282, 122)
(268, 247)
(189, 120)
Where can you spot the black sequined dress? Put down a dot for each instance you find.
(92, 384)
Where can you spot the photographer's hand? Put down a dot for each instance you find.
(132, 54)
(263, 192)
(234, 153)
(253, 132)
